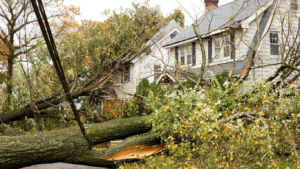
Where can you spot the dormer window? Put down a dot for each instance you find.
(173, 35)
(294, 5)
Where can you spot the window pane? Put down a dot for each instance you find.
(173, 35)
(294, 5)
(182, 60)
(217, 46)
(157, 68)
(226, 51)
(182, 51)
(274, 38)
(189, 59)
(274, 49)
(226, 40)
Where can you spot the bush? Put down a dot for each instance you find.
(200, 130)
(137, 105)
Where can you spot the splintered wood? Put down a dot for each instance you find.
(138, 152)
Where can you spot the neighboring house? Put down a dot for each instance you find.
(147, 64)
(231, 31)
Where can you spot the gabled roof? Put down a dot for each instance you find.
(238, 11)
(163, 32)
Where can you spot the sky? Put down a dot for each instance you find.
(92, 9)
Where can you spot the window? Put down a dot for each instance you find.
(125, 77)
(227, 47)
(182, 55)
(189, 54)
(274, 46)
(173, 35)
(294, 5)
(157, 71)
(218, 43)
(222, 47)
(186, 54)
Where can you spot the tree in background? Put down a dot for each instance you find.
(19, 31)
(177, 15)
(91, 57)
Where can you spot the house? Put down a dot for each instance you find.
(230, 33)
(148, 64)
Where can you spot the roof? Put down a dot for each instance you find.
(164, 31)
(217, 17)
(218, 69)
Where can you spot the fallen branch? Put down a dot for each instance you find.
(238, 115)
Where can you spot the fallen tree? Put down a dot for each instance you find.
(68, 145)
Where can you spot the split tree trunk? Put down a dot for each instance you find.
(68, 145)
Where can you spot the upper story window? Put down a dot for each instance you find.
(222, 47)
(274, 45)
(173, 35)
(294, 5)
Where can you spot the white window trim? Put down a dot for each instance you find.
(187, 52)
(221, 58)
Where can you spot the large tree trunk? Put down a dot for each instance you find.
(68, 145)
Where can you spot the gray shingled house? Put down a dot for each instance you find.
(230, 33)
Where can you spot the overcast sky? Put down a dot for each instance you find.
(91, 9)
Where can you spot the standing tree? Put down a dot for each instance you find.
(15, 16)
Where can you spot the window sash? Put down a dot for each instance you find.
(157, 68)
(274, 46)
(189, 59)
(125, 75)
(222, 44)
(274, 49)
(182, 51)
(182, 60)
(227, 52)
(173, 35)
(294, 5)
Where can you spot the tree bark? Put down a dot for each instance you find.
(40, 105)
(68, 145)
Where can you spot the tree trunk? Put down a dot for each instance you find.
(68, 145)
(8, 82)
(40, 105)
